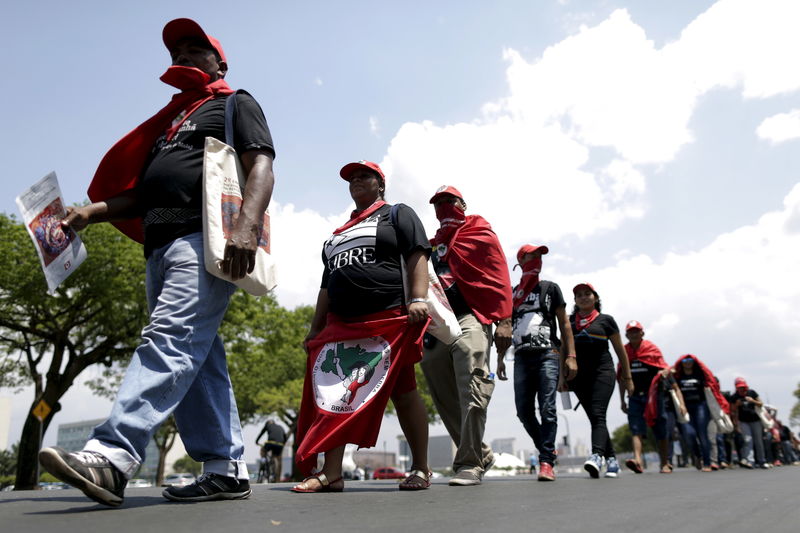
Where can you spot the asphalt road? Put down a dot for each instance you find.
(684, 502)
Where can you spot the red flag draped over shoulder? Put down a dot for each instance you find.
(479, 266)
(351, 371)
(710, 381)
(648, 353)
(120, 168)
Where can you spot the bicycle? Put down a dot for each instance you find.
(267, 467)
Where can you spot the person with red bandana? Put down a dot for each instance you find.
(539, 314)
(361, 308)
(149, 185)
(470, 263)
(594, 382)
(648, 369)
(748, 424)
(693, 377)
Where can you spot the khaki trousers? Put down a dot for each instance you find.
(459, 382)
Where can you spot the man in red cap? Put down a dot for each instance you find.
(744, 403)
(539, 313)
(472, 268)
(150, 186)
(647, 364)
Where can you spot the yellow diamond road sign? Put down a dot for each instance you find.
(41, 410)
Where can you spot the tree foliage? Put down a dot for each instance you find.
(794, 416)
(622, 440)
(95, 317)
(187, 464)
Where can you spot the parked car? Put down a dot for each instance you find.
(178, 480)
(139, 482)
(387, 472)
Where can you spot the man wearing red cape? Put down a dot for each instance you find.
(647, 369)
(149, 185)
(471, 265)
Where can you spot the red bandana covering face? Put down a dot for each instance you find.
(120, 168)
(451, 217)
(340, 406)
(582, 321)
(356, 217)
(529, 280)
(478, 264)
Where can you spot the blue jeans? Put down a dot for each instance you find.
(752, 434)
(536, 374)
(696, 431)
(178, 368)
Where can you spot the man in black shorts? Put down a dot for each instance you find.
(276, 438)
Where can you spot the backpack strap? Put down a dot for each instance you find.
(231, 110)
(393, 214)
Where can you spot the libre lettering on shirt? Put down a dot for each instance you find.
(354, 245)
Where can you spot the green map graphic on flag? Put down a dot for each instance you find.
(340, 360)
(346, 374)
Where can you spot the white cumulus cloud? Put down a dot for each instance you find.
(781, 127)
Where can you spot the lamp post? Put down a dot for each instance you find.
(569, 436)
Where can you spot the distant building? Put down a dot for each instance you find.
(73, 436)
(5, 422)
(374, 459)
(441, 452)
(504, 445)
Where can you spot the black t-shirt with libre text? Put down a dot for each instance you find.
(643, 375)
(692, 387)
(362, 263)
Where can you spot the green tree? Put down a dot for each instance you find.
(95, 317)
(622, 441)
(794, 416)
(187, 464)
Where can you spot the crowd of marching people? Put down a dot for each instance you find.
(389, 298)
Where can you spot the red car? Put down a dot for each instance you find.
(388, 472)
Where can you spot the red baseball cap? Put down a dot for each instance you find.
(634, 324)
(178, 29)
(582, 285)
(349, 168)
(446, 189)
(529, 249)
(740, 382)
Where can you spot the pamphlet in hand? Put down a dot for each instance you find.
(59, 251)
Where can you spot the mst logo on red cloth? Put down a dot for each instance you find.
(348, 374)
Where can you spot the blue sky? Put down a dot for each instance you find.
(651, 145)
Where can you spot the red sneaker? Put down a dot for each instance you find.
(546, 472)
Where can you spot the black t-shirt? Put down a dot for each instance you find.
(362, 264)
(534, 320)
(173, 176)
(454, 297)
(692, 387)
(591, 343)
(643, 375)
(747, 410)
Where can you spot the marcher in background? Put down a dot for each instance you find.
(692, 377)
(594, 382)
(539, 314)
(646, 363)
(748, 424)
(362, 317)
(276, 439)
(473, 271)
(716, 439)
(155, 172)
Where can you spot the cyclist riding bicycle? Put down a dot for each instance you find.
(271, 451)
